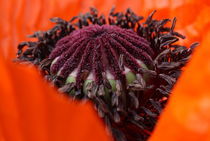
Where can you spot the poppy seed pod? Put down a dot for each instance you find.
(87, 53)
(126, 67)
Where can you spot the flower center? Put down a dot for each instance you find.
(126, 67)
(89, 52)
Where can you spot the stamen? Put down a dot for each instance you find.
(126, 67)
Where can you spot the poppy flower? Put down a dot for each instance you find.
(125, 67)
(194, 29)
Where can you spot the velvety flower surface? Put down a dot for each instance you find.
(17, 22)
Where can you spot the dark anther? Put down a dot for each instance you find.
(124, 65)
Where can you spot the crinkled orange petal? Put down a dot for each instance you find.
(187, 115)
(22, 17)
(32, 111)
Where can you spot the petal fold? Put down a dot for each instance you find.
(187, 116)
(30, 110)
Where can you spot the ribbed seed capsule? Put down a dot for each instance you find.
(98, 52)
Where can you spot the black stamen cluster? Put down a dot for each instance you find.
(132, 110)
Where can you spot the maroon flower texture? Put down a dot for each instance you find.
(97, 49)
(126, 67)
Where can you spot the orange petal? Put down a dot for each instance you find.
(187, 116)
(21, 17)
(32, 111)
